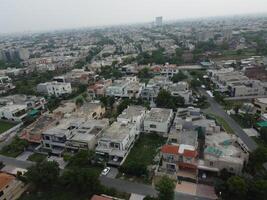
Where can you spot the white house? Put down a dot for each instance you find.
(158, 120)
(54, 88)
(133, 114)
(116, 142)
(13, 112)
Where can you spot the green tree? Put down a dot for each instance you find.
(258, 190)
(166, 100)
(179, 77)
(44, 174)
(165, 187)
(256, 159)
(123, 105)
(81, 159)
(144, 73)
(79, 101)
(237, 187)
(263, 134)
(195, 83)
(81, 181)
(134, 168)
(236, 108)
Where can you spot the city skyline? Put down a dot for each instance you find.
(32, 16)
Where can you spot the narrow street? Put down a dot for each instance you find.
(218, 110)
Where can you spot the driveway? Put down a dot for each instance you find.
(24, 156)
(112, 173)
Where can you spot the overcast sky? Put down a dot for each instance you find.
(35, 15)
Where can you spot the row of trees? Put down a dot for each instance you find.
(80, 179)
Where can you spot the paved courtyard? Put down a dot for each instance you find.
(194, 189)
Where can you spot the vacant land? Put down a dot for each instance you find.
(141, 156)
(4, 126)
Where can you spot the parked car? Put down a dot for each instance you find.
(105, 171)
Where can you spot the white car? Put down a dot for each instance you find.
(105, 171)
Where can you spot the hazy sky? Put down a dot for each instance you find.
(32, 15)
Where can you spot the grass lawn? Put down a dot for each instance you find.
(4, 126)
(222, 122)
(146, 148)
(144, 151)
(14, 149)
(37, 157)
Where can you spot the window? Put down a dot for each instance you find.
(211, 163)
(153, 126)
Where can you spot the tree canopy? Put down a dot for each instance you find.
(44, 174)
(165, 187)
(166, 100)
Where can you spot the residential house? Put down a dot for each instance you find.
(13, 112)
(116, 142)
(181, 89)
(10, 187)
(158, 120)
(133, 114)
(223, 151)
(260, 105)
(54, 88)
(73, 134)
(5, 84)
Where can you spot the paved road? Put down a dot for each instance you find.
(16, 163)
(217, 109)
(129, 187)
(181, 196)
(142, 189)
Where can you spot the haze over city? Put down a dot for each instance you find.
(32, 15)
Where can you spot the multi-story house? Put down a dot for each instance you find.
(73, 134)
(13, 112)
(133, 114)
(116, 142)
(178, 157)
(158, 120)
(54, 88)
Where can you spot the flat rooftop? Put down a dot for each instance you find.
(117, 131)
(262, 100)
(158, 114)
(132, 111)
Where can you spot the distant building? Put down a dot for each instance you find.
(159, 21)
(5, 84)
